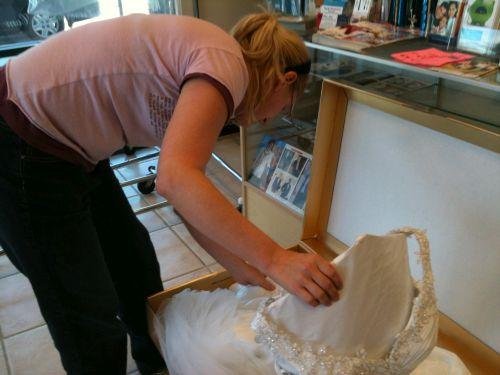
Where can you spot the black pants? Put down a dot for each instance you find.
(90, 261)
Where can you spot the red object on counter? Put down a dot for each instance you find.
(430, 57)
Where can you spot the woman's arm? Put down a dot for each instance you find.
(189, 140)
(242, 272)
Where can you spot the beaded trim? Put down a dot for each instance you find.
(414, 341)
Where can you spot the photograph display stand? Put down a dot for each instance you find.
(445, 20)
(283, 172)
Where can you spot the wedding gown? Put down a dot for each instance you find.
(384, 322)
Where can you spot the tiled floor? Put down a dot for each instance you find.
(25, 343)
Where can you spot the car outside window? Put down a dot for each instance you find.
(21, 28)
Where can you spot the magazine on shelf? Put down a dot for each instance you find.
(445, 20)
(473, 68)
(330, 11)
(361, 35)
(479, 31)
(291, 178)
(265, 162)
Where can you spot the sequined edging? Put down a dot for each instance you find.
(311, 358)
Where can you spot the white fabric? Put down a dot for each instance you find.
(377, 322)
(373, 308)
(209, 333)
(441, 361)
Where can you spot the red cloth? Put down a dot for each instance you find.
(430, 57)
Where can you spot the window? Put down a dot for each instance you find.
(22, 26)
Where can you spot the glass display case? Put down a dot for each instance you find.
(461, 107)
(473, 100)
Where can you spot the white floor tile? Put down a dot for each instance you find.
(153, 198)
(118, 176)
(130, 191)
(167, 213)
(33, 352)
(118, 158)
(6, 267)
(38, 346)
(174, 257)
(184, 234)
(151, 221)
(137, 201)
(3, 362)
(19, 310)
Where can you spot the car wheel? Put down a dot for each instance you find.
(41, 26)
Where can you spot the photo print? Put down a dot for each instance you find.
(299, 194)
(289, 181)
(265, 163)
(445, 20)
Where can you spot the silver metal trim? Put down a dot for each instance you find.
(136, 180)
(153, 206)
(135, 160)
(227, 166)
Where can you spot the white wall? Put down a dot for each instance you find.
(395, 173)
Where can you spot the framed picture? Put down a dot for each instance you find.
(445, 20)
(479, 31)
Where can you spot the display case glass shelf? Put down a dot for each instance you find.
(473, 100)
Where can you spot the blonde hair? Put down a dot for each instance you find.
(268, 49)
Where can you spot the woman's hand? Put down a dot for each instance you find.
(308, 276)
